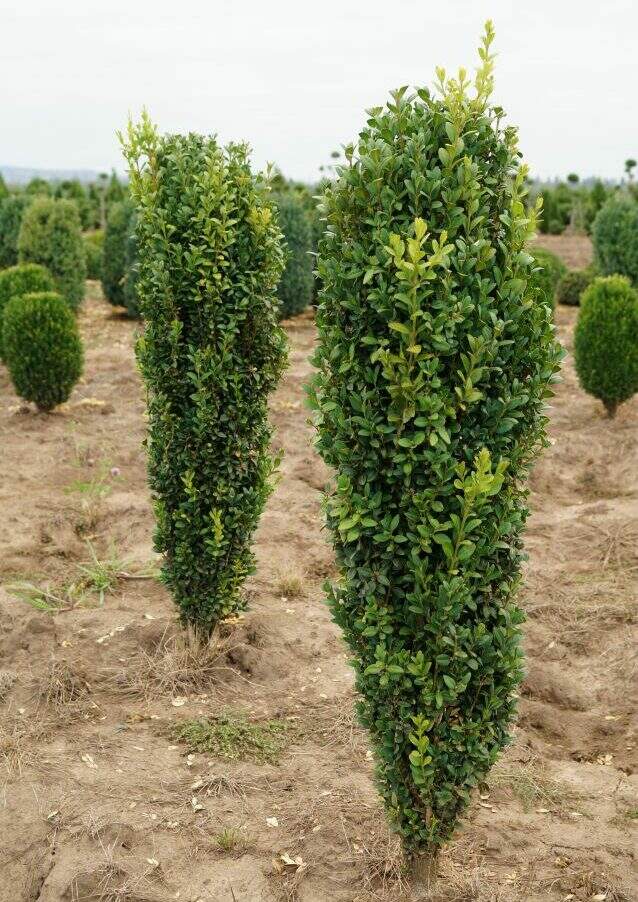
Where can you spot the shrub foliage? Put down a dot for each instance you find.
(42, 348)
(116, 236)
(434, 362)
(547, 272)
(606, 341)
(210, 257)
(11, 211)
(295, 287)
(19, 280)
(50, 235)
(573, 284)
(615, 237)
(93, 249)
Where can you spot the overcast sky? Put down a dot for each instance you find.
(293, 77)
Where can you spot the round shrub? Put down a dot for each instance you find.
(50, 234)
(434, 364)
(42, 348)
(22, 279)
(118, 229)
(572, 285)
(615, 237)
(606, 341)
(11, 212)
(295, 286)
(210, 257)
(547, 272)
(93, 247)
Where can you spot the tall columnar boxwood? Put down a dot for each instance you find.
(11, 212)
(23, 279)
(434, 362)
(50, 235)
(295, 287)
(210, 257)
(42, 347)
(118, 229)
(606, 341)
(615, 237)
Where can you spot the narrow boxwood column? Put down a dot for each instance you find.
(435, 358)
(209, 260)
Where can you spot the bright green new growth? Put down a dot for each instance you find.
(573, 284)
(42, 348)
(547, 272)
(210, 257)
(615, 237)
(606, 341)
(434, 363)
(116, 235)
(19, 280)
(295, 287)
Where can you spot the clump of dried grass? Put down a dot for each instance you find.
(179, 664)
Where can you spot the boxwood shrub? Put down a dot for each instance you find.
(93, 249)
(11, 212)
(210, 257)
(116, 235)
(22, 279)
(606, 341)
(42, 348)
(547, 272)
(50, 235)
(573, 284)
(615, 237)
(434, 364)
(295, 286)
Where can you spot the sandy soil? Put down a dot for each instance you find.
(99, 801)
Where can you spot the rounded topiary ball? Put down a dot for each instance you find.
(548, 271)
(296, 284)
(615, 237)
(606, 341)
(42, 348)
(572, 285)
(22, 279)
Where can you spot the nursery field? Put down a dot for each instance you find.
(139, 766)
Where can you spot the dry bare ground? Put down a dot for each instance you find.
(103, 798)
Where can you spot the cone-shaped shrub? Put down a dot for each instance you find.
(42, 348)
(547, 271)
(50, 234)
(295, 287)
(606, 341)
(22, 279)
(434, 362)
(210, 257)
(11, 212)
(118, 230)
(572, 285)
(615, 237)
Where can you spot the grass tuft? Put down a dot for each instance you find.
(233, 736)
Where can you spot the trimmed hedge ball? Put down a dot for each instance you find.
(572, 285)
(22, 279)
(606, 341)
(42, 348)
